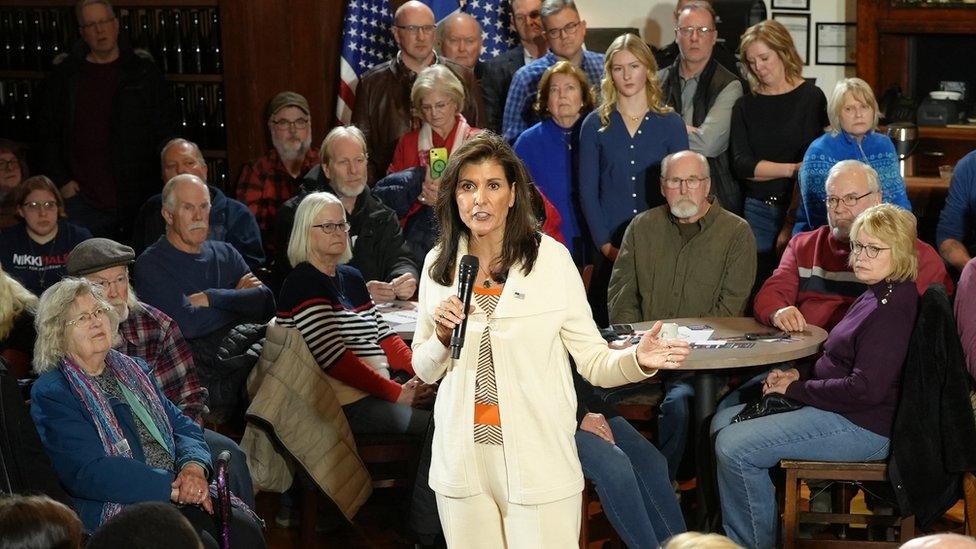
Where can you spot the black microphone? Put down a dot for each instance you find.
(467, 273)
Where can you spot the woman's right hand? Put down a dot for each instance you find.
(446, 316)
(417, 394)
(776, 375)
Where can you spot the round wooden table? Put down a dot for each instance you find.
(705, 361)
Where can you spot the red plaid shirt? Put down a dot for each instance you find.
(150, 334)
(265, 185)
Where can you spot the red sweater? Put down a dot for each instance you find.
(814, 276)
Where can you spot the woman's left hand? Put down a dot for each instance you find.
(191, 487)
(777, 385)
(597, 424)
(654, 353)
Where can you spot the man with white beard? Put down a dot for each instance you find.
(378, 247)
(270, 180)
(689, 258)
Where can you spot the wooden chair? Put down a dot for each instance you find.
(969, 498)
(391, 461)
(857, 472)
(595, 527)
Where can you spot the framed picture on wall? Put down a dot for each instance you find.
(801, 5)
(836, 44)
(799, 26)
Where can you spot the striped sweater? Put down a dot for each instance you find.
(344, 332)
(813, 275)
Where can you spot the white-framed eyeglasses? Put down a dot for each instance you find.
(85, 319)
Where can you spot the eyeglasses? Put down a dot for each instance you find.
(417, 29)
(106, 284)
(329, 228)
(869, 250)
(849, 200)
(9, 164)
(534, 14)
(436, 107)
(569, 30)
(38, 206)
(689, 30)
(85, 319)
(101, 22)
(282, 124)
(692, 182)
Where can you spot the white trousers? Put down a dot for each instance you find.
(488, 520)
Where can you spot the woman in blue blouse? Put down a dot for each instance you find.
(550, 148)
(853, 113)
(622, 144)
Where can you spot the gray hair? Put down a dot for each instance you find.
(436, 78)
(552, 7)
(850, 87)
(169, 189)
(446, 23)
(52, 317)
(308, 209)
(665, 164)
(180, 141)
(80, 7)
(847, 166)
(335, 133)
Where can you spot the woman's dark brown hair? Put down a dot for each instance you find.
(19, 153)
(520, 244)
(40, 183)
(541, 106)
(38, 522)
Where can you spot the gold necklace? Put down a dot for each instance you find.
(633, 118)
(488, 279)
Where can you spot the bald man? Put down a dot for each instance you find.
(382, 109)
(459, 38)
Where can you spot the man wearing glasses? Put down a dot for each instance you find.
(102, 117)
(498, 72)
(688, 258)
(814, 283)
(270, 180)
(702, 91)
(382, 108)
(566, 33)
(667, 55)
(379, 250)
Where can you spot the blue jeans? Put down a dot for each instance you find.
(633, 487)
(746, 451)
(238, 475)
(766, 221)
(672, 420)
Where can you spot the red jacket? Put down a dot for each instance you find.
(814, 276)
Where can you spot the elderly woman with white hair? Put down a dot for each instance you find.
(853, 114)
(112, 436)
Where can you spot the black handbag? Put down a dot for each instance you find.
(767, 405)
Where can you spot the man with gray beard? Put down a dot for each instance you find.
(268, 181)
(689, 258)
(379, 250)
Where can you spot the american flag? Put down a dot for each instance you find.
(368, 40)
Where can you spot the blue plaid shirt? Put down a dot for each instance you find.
(525, 84)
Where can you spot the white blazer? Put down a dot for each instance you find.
(541, 318)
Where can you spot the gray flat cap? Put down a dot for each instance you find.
(96, 254)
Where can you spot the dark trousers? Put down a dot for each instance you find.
(244, 532)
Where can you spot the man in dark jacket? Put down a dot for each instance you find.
(703, 91)
(498, 72)
(666, 56)
(104, 112)
(378, 248)
(382, 108)
(230, 220)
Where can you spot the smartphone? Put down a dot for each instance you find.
(622, 329)
(438, 161)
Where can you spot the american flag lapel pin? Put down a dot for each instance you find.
(519, 295)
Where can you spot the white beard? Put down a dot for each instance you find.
(684, 209)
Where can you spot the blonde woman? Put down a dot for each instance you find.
(17, 306)
(853, 113)
(772, 126)
(849, 395)
(622, 144)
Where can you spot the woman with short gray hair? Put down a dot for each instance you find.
(853, 113)
(112, 436)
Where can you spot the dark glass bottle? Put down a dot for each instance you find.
(55, 44)
(146, 39)
(195, 43)
(20, 40)
(177, 43)
(202, 116)
(218, 126)
(215, 51)
(35, 44)
(185, 132)
(6, 40)
(162, 40)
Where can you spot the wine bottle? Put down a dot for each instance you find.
(6, 40)
(162, 39)
(20, 40)
(218, 126)
(54, 38)
(184, 118)
(200, 115)
(145, 31)
(177, 43)
(215, 51)
(195, 45)
(35, 54)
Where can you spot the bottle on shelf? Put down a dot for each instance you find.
(201, 117)
(218, 126)
(195, 46)
(216, 65)
(6, 40)
(20, 41)
(162, 40)
(54, 38)
(176, 48)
